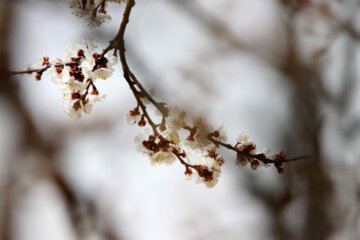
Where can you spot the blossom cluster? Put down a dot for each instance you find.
(247, 153)
(76, 75)
(195, 146)
(92, 11)
(169, 144)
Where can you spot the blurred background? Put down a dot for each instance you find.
(285, 72)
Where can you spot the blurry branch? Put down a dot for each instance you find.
(216, 28)
(306, 115)
(342, 101)
(40, 70)
(276, 206)
(6, 196)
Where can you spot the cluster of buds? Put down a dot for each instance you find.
(92, 11)
(77, 74)
(246, 153)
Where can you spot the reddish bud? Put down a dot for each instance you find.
(59, 69)
(75, 95)
(94, 91)
(134, 112)
(45, 61)
(212, 154)
(188, 171)
(80, 53)
(280, 169)
(76, 105)
(216, 134)
(95, 55)
(162, 127)
(250, 147)
(280, 156)
(204, 173)
(38, 76)
(254, 164)
(183, 154)
(142, 122)
(220, 161)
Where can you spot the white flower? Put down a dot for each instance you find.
(159, 150)
(58, 77)
(133, 116)
(113, 60)
(243, 138)
(243, 143)
(87, 65)
(140, 146)
(208, 171)
(176, 119)
(166, 158)
(86, 107)
(209, 162)
(94, 21)
(240, 147)
(104, 73)
(71, 51)
(96, 98)
(200, 138)
(222, 134)
(71, 85)
(76, 76)
(90, 11)
(76, 114)
(173, 137)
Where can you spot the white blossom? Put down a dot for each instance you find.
(176, 119)
(76, 76)
(133, 116)
(56, 77)
(94, 21)
(166, 158)
(163, 156)
(173, 136)
(243, 138)
(96, 98)
(200, 138)
(213, 166)
(243, 143)
(140, 146)
(222, 134)
(92, 11)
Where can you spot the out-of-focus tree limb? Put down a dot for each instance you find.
(217, 29)
(6, 11)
